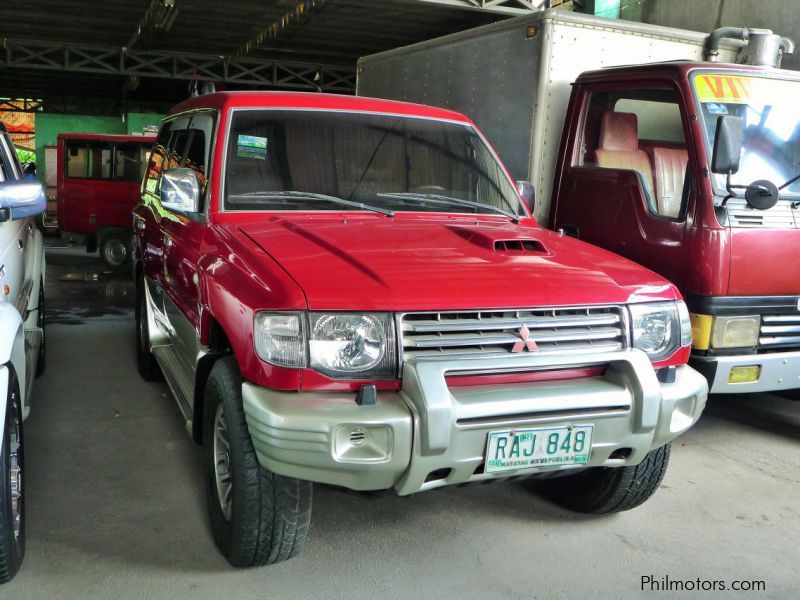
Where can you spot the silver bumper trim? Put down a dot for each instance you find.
(779, 371)
(429, 435)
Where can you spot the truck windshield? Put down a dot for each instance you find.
(771, 116)
(315, 160)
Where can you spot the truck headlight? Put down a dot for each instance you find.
(280, 338)
(352, 345)
(735, 332)
(660, 328)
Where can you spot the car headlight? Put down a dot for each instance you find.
(735, 332)
(352, 345)
(340, 345)
(660, 328)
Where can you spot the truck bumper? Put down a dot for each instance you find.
(778, 371)
(429, 435)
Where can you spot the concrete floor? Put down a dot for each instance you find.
(116, 507)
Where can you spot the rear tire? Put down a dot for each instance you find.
(603, 490)
(12, 487)
(115, 250)
(145, 361)
(257, 517)
(40, 322)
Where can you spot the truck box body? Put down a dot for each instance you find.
(484, 72)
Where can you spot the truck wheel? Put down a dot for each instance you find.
(603, 490)
(145, 361)
(41, 359)
(257, 517)
(115, 250)
(12, 489)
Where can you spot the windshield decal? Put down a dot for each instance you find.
(251, 146)
(727, 89)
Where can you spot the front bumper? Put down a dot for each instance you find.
(779, 371)
(428, 434)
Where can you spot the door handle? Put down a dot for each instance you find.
(168, 241)
(141, 225)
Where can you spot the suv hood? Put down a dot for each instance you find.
(412, 262)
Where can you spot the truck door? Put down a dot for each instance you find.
(625, 184)
(183, 237)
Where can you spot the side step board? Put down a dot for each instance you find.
(178, 377)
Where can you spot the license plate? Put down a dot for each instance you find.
(514, 449)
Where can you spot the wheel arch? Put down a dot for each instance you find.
(218, 347)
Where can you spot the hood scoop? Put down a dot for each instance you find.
(501, 241)
(520, 246)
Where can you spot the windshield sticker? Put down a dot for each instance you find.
(251, 146)
(716, 109)
(727, 89)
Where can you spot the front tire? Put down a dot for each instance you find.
(115, 250)
(145, 361)
(41, 359)
(604, 490)
(257, 517)
(12, 488)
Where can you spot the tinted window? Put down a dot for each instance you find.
(177, 146)
(198, 151)
(127, 162)
(156, 159)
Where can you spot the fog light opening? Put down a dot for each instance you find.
(744, 374)
(621, 454)
(437, 475)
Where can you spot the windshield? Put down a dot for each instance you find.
(315, 160)
(771, 115)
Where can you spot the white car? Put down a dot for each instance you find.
(22, 344)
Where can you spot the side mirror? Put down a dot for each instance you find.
(20, 199)
(728, 142)
(527, 193)
(29, 169)
(180, 190)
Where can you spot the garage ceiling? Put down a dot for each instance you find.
(148, 51)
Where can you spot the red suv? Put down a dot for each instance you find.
(351, 291)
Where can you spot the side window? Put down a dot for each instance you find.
(177, 145)
(156, 161)
(126, 162)
(88, 160)
(198, 151)
(639, 130)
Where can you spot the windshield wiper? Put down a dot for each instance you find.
(283, 195)
(438, 199)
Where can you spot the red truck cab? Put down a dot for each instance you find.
(351, 291)
(99, 176)
(635, 174)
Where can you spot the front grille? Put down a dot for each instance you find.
(779, 332)
(780, 216)
(496, 332)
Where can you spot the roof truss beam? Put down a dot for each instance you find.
(169, 65)
(502, 7)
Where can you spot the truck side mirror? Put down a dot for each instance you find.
(29, 170)
(180, 190)
(20, 199)
(728, 142)
(527, 193)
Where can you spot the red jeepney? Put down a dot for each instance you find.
(98, 184)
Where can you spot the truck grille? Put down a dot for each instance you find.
(780, 216)
(779, 332)
(486, 333)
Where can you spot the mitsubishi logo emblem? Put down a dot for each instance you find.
(525, 341)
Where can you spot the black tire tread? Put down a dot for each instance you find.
(41, 361)
(10, 560)
(274, 511)
(605, 490)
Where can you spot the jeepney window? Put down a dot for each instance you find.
(639, 130)
(126, 162)
(88, 160)
(156, 160)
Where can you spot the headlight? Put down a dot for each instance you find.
(735, 332)
(340, 345)
(352, 345)
(660, 328)
(280, 339)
